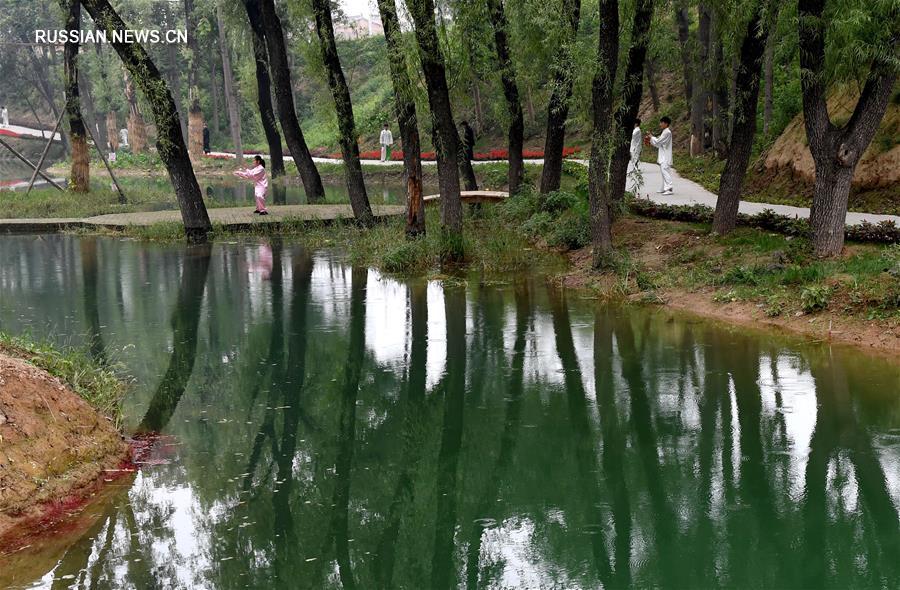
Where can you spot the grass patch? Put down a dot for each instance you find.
(96, 384)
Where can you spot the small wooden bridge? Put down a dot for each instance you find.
(473, 197)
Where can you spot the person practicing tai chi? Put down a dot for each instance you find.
(260, 182)
(386, 140)
(635, 151)
(4, 117)
(663, 144)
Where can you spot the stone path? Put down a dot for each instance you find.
(687, 192)
(227, 217)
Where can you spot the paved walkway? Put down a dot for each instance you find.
(227, 217)
(687, 192)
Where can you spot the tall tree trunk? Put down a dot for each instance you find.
(836, 150)
(699, 93)
(80, 175)
(650, 71)
(405, 105)
(444, 134)
(265, 21)
(633, 89)
(112, 131)
(264, 102)
(603, 133)
(174, 68)
(558, 109)
(195, 113)
(214, 92)
(746, 99)
(356, 186)
(510, 93)
(684, 41)
(769, 77)
(234, 117)
(170, 141)
(137, 131)
(721, 77)
(89, 112)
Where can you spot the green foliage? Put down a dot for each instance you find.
(570, 231)
(814, 298)
(407, 257)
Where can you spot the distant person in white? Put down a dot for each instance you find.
(663, 144)
(123, 137)
(637, 142)
(386, 140)
(4, 117)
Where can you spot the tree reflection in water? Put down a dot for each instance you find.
(337, 428)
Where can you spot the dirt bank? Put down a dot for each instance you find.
(54, 448)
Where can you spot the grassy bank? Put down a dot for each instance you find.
(96, 384)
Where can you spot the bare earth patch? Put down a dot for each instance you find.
(53, 447)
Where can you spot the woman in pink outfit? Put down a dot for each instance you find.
(260, 182)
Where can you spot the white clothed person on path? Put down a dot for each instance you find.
(663, 144)
(4, 117)
(637, 143)
(260, 183)
(386, 140)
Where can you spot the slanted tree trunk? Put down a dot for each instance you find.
(80, 175)
(265, 21)
(112, 131)
(769, 77)
(356, 186)
(684, 42)
(444, 134)
(746, 98)
(836, 150)
(700, 83)
(137, 131)
(195, 113)
(170, 141)
(405, 105)
(234, 117)
(633, 89)
(558, 109)
(510, 93)
(264, 102)
(603, 132)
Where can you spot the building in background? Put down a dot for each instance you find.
(358, 26)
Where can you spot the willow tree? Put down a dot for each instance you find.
(444, 135)
(632, 90)
(837, 149)
(195, 113)
(405, 106)
(169, 139)
(80, 175)
(747, 77)
(356, 186)
(264, 20)
(264, 103)
(560, 95)
(603, 131)
(510, 93)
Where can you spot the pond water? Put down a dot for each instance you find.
(327, 426)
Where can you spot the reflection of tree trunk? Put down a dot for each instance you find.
(413, 430)
(443, 569)
(185, 320)
(614, 446)
(648, 449)
(582, 431)
(340, 520)
(91, 309)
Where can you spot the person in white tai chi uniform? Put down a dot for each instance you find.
(663, 144)
(386, 140)
(635, 151)
(4, 117)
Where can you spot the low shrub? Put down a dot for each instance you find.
(814, 298)
(571, 231)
